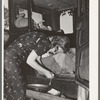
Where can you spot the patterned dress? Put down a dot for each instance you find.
(14, 55)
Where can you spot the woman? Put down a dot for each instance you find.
(27, 48)
(59, 44)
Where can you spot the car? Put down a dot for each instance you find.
(49, 16)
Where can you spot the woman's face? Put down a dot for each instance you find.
(55, 50)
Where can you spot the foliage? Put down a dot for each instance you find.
(6, 18)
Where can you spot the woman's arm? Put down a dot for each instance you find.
(31, 60)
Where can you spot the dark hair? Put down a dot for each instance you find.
(61, 41)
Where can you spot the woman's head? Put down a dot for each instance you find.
(60, 41)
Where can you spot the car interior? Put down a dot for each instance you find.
(69, 18)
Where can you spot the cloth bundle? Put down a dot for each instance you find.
(60, 64)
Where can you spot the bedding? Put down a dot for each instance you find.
(60, 64)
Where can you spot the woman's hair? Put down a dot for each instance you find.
(61, 41)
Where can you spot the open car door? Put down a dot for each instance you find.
(82, 48)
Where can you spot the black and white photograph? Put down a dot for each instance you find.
(46, 50)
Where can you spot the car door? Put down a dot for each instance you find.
(82, 50)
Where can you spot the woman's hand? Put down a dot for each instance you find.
(49, 74)
(45, 55)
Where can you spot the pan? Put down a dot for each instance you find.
(39, 87)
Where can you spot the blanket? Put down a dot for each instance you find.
(60, 64)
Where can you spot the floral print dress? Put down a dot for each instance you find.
(14, 55)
